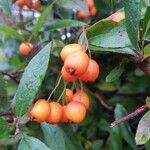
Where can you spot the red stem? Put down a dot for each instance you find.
(129, 116)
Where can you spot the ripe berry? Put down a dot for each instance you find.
(25, 48)
(68, 95)
(20, 3)
(40, 111)
(75, 111)
(117, 17)
(64, 118)
(81, 97)
(93, 11)
(68, 49)
(91, 73)
(36, 4)
(76, 63)
(82, 15)
(55, 113)
(66, 76)
(90, 3)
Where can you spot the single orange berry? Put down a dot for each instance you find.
(36, 4)
(90, 3)
(76, 63)
(117, 17)
(75, 112)
(93, 11)
(66, 76)
(20, 3)
(91, 73)
(69, 49)
(64, 118)
(55, 113)
(81, 97)
(25, 48)
(68, 95)
(82, 15)
(40, 111)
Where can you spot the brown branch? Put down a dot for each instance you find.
(130, 116)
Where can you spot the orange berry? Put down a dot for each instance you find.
(36, 4)
(40, 111)
(82, 15)
(55, 113)
(117, 17)
(66, 76)
(90, 3)
(20, 3)
(75, 112)
(64, 118)
(68, 49)
(25, 48)
(91, 73)
(76, 63)
(68, 95)
(81, 97)
(29, 3)
(93, 11)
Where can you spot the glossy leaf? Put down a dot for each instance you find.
(115, 73)
(143, 130)
(132, 13)
(31, 143)
(31, 80)
(11, 32)
(6, 7)
(65, 23)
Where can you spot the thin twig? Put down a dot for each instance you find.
(137, 112)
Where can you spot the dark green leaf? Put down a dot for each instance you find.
(143, 130)
(146, 21)
(54, 136)
(3, 95)
(125, 130)
(115, 73)
(4, 129)
(31, 143)
(6, 7)
(132, 13)
(97, 145)
(65, 23)
(31, 80)
(116, 38)
(147, 145)
(11, 32)
(41, 20)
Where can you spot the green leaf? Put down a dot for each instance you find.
(6, 7)
(148, 101)
(65, 23)
(146, 24)
(4, 128)
(143, 130)
(124, 50)
(125, 130)
(11, 32)
(54, 136)
(115, 73)
(31, 143)
(147, 145)
(132, 13)
(31, 80)
(41, 20)
(97, 145)
(117, 37)
(147, 50)
(3, 95)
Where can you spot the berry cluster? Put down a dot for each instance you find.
(25, 48)
(53, 112)
(78, 65)
(92, 10)
(31, 4)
